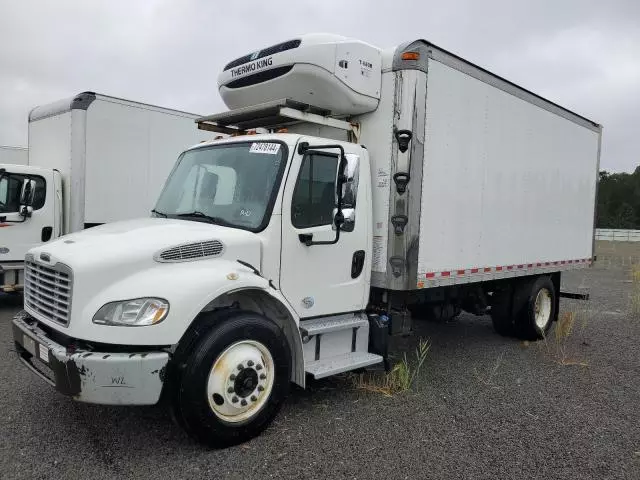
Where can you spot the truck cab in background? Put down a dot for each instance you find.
(79, 148)
(30, 213)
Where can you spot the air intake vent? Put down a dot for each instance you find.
(190, 251)
(281, 47)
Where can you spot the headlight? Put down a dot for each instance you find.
(133, 313)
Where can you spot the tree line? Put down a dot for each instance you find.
(619, 200)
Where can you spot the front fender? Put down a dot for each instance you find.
(188, 287)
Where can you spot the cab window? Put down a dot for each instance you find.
(314, 194)
(11, 188)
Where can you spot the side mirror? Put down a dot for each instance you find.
(346, 184)
(347, 219)
(27, 193)
(349, 185)
(351, 178)
(25, 211)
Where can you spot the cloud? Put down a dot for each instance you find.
(579, 53)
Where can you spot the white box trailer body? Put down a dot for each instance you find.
(112, 157)
(14, 155)
(501, 182)
(407, 180)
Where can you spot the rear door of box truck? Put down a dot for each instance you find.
(508, 185)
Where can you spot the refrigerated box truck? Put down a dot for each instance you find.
(389, 180)
(92, 159)
(13, 155)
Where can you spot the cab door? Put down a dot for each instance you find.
(318, 275)
(17, 233)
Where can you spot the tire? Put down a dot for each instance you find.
(501, 308)
(228, 405)
(537, 310)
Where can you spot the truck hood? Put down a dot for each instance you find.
(122, 247)
(122, 261)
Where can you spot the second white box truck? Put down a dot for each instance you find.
(389, 180)
(92, 159)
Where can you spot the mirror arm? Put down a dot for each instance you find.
(24, 216)
(307, 238)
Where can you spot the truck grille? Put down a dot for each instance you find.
(47, 290)
(190, 251)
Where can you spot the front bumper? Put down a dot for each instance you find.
(88, 376)
(11, 277)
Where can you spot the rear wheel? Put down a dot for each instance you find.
(234, 381)
(538, 311)
(525, 309)
(501, 308)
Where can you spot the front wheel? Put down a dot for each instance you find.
(234, 381)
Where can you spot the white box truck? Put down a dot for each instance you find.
(92, 159)
(387, 180)
(14, 155)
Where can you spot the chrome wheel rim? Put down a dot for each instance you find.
(240, 381)
(542, 308)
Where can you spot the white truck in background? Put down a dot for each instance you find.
(92, 159)
(389, 181)
(14, 155)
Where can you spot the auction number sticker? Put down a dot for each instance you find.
(264, 147)
(44, 353)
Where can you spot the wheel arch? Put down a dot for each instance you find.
(262, 302)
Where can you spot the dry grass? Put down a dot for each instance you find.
(560, 346)
(400, 378)
(617, 254)
(487, 378)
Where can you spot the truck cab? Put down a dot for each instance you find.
(30, 210)
(282, 189)
(268, 233)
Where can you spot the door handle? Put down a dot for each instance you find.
(46, 234)
(357, 263)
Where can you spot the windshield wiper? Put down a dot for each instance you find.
(198, 214)
(159, 213)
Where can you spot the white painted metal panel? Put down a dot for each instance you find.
(377, 136)
(50, 147)
(504, 182)
(130, 150)
(14, 155)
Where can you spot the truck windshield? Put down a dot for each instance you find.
(231, 184)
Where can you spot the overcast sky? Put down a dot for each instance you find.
(582, 54)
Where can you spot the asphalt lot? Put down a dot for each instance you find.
(484, 407)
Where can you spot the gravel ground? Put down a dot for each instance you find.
(484, 407)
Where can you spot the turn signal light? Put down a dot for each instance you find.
(411, 56)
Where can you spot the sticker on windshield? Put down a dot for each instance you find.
(263, 147)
